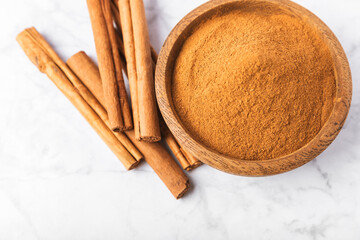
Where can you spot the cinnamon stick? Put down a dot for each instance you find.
(106, 64)
(86, 70)
(186, 160)
(137, 51)
(106, 4)
(115, 11)
(122, 54)
(121, 46)
(193, 162)
(164, 166)
(47, 61)
(129, 50)
(116, 15)
(154, 153)
(119, 37)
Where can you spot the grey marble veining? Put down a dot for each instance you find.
(58, 180)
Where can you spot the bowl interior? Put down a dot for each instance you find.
(326, 135)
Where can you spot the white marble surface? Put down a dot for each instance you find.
(59, 181)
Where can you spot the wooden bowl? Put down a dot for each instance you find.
(259, 167)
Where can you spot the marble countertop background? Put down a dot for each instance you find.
(58, 180)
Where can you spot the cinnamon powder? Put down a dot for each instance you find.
(255, 83)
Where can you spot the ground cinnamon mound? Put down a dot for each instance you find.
(254, 83)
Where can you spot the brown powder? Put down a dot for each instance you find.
(254, 83)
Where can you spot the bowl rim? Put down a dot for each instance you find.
(232, 165)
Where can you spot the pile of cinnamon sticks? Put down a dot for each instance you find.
(98, 92)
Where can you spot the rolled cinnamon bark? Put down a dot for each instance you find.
(122, 53)
(125, 109)
(106, 64)
(115, 11)
(138, 57)
(119, 37)
(86, 70)
(129, 50)
(148, 115)
(81, 64)
(47, 61)
(175, 148)
(164, 165)
(186, 160)
(154, 153)
(193, 162)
